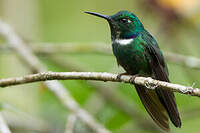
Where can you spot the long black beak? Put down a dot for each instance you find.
(99, 15)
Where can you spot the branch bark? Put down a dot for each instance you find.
(148, 82)
(27, 56)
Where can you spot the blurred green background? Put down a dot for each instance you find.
(32, 108)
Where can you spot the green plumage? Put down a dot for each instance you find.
(138, 53)
(132, 57)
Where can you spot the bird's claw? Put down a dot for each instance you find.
(121, 74)
(132, 79)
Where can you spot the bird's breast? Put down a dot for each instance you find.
(131, 57)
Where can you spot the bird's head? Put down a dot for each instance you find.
(123, 25)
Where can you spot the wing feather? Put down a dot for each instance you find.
(160, 72)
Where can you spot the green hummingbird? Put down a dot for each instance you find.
(139, 54)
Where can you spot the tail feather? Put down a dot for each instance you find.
(168, 100)
(153, 106)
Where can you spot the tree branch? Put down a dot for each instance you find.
(27, 56)
(148, 82)
(100, 48)
(188, 61)
(110, 95)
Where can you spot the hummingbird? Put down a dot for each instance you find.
(138, 53)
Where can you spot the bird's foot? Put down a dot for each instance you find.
(132, 79)
(121, 74)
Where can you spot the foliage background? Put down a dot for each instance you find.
(61, 21)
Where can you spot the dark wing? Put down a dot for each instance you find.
(160, 72)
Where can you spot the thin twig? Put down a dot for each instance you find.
(148, 82)
(100, 48)
(26, 55)
(70, 123)
(3, 125)
(188, 61)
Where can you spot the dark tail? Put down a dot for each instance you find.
(153, 106)
(168, 100)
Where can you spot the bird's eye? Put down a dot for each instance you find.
(125, 20)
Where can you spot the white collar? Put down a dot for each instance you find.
(124, 41)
